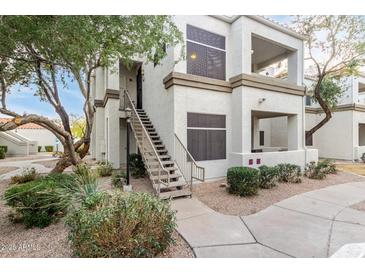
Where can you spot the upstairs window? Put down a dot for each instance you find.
(206, 53)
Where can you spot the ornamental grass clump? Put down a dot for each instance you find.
(34, 202)
(27, 175)
(121, 225)
(104, 168)
(244, 181)
(320, 170)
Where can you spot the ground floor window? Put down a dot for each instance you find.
(206, 135)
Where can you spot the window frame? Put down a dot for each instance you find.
(207, 46)
(208, 129)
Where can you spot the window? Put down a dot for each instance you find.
(309, 141)
(262, 138)
(308, 100)
(206, 53)
(206, 136)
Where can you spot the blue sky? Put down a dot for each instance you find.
(22, 99)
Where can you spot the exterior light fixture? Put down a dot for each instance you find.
(193, 56)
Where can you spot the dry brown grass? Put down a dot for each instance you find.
(217, 197)
(357, 168)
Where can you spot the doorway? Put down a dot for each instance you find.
(139, 88)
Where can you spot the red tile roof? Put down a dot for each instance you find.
(26, 126)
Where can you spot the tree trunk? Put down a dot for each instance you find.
(325, 108)
(61, 165)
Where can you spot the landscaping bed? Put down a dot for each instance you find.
(18, 241)
(216, 197)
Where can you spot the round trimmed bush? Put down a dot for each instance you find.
(289, 173)
(243, 181)
(122, 225)
(268, 176)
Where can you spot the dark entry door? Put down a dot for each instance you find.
(139, 87)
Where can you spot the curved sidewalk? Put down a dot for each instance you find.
(311, 224)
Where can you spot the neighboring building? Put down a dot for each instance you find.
(215, 103)
(343, 137)
(32, 134)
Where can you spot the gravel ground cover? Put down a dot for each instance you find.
(216, 197)
(18, 242)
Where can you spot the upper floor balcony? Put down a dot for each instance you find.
(222, 48)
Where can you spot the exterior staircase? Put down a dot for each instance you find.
(170, 178)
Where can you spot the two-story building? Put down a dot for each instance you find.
(197, 117)
(343, 137)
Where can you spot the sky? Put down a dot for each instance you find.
(22, 99)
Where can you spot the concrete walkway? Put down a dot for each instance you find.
(24, 164)
(312, 224)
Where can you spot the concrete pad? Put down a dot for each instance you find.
(238, 251)
(297, 234)
(214, 229)
(357, 184)
(342, 195)
(350, 215)
(189, 207)
(351, 251)
(345, 233)
(311, 206)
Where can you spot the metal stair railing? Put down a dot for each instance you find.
(189, 169)
(148, 152)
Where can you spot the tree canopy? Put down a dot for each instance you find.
(45, 51)
(335, 47)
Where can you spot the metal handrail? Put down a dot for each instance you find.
(136, 121)
(187, 165)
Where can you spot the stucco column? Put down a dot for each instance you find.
(99, 117)
(294, 68)
(237, 121)
(293, 132)
(255, 132)
(113, 76)
(112, 132)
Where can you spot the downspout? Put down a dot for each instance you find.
(303, 131)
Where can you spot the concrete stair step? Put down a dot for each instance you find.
(173, 184)
(160, 156)
(175, 193)
(163, 177)
(171, 168)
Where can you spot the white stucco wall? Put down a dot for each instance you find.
(43, 137)
(336, 138)
(209, 102)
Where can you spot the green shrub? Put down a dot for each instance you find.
(289, 173)
(104, 168)
(244, 181)
(136, 165)
(268, 176)
(34, 202)
(26, 176)
(328, 166)
(320, 170)
(48, 148)
(39, 148)
(2, 153)
(118, 178)
(122, 225)
(5, 148)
